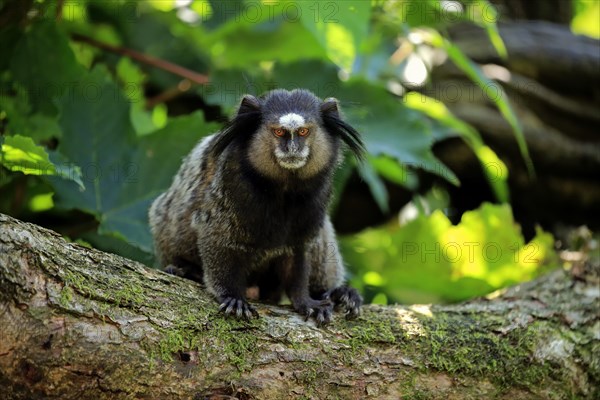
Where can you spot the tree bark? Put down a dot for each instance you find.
(79, 323)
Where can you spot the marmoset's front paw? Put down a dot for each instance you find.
(237, 306)
(347, 298)
(320, 310)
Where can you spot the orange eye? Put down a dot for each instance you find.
(278, 132)
(303, 131)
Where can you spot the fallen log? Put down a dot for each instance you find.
(79, 323)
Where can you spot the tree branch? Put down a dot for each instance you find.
(76, 321)
(175, 69)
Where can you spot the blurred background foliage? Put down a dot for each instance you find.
(101, 100)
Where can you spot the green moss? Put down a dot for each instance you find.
(228, 337)
(371, 328)
(75, 280)
(311, 375)
(66, 296)
(467, 346)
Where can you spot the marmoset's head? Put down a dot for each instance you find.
(290, 132)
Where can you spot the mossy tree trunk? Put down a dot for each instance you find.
(79, 323)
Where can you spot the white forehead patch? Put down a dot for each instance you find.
(291, 121)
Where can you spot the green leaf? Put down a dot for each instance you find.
(45, 65)
(228, 86)
(392, 129)
(20, 153)
(494, 169)
(339, 26)
(587, 15)
(21, 120)
(123, 174)
(394, 171)
(484, 14)
(132, 80)
(246, 43)
(376, 185)
(484, 252)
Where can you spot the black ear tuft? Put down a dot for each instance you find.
(336, 126)
(249, 104)
(330, 106)
(245, 123)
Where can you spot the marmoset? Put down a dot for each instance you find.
(248, 207)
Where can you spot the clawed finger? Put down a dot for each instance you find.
(238, 308)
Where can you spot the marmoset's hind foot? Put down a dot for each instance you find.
(237, 307)
(347, 298)
(320, 310)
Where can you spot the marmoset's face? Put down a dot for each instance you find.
(291, 145)
(291, 140)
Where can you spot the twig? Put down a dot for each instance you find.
(169, 94)
(175, 69)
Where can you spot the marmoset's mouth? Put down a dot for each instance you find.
(292, 162)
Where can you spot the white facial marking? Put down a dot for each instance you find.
(293, 161)
(291, 121)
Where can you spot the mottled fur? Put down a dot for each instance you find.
(248, 208)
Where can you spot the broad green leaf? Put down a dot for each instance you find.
(484, 252)
(339, 26)
(152, 165)
(157, 34)
(20, 119)
(113, 244)
(227, 87)
(340, 179)
(45, 65)
(132, 80)
(122, 173)
(20, 153)
(221, 11)
(240, 45)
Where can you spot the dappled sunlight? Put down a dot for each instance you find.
(12, 154)
(26, 157)
(423, 309)
(411, 326)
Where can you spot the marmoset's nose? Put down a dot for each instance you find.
(293, 145)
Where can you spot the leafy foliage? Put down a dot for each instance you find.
(430, 260)
(20, 153)
(100, 134)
